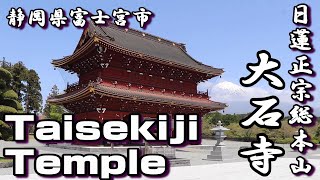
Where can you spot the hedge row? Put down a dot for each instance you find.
(10, 94)
(7, 109)
(12, 103)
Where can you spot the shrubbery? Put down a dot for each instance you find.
(5, 131)
(8, 103)
(10, 94)
(282, 135)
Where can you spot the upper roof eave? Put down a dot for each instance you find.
(97, 39)
(63, 61)
(178, 55)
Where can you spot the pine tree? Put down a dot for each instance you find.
(52, 111)
(8, 103)
(19, 74)
(32, 94)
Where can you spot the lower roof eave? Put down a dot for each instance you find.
(135, 96)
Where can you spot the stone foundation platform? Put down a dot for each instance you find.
(6, 164)
(167, 151)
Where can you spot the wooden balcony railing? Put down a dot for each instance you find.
(139, 87)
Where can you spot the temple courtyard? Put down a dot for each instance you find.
(232, 167)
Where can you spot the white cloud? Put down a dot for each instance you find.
(238, 97)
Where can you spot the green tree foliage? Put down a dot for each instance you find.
(8, 102)
(19, 73)
(53, 111)
(5, 79)
(281, 135)
(206, 126)
(213, 118)
(26, 84)
(5, 65)
(32, 95)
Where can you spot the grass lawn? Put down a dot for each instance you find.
(4, 160)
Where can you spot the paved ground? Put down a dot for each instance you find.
(196, 154)
(200, 168)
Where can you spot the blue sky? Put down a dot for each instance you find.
(225, 34)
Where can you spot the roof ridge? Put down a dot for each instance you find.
(152, 48)
(147, 35)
